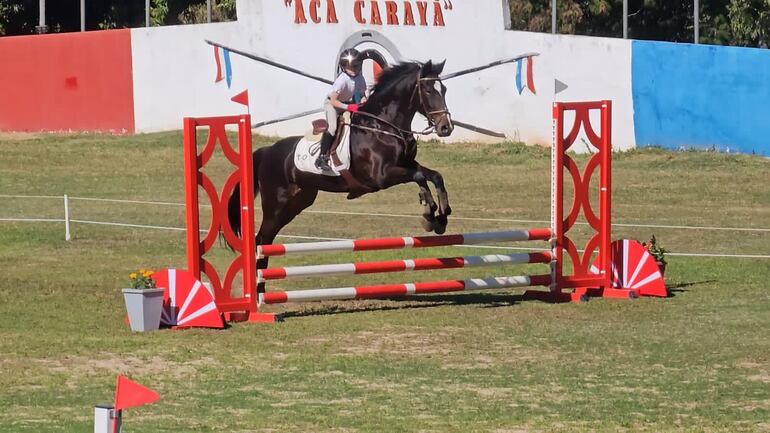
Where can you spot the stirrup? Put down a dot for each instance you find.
(322, 162)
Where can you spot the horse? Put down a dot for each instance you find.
(382, 154)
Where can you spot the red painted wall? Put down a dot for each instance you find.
(68, 81)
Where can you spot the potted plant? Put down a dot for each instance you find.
(144, 301)
(657, 252)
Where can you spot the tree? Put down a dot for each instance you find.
(16, 17)
(723, 22)
(750, 22)
(222, 10)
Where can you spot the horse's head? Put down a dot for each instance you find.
(432, 103)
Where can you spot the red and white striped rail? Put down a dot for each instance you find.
(405, 242)
(401, 265)
(393, 290)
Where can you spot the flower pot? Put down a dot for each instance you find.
(144, 307)
(662, 267)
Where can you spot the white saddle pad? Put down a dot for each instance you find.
(308, 148)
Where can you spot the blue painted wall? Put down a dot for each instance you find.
(701, 96)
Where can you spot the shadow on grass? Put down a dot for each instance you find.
(482, 300)
(680, 288)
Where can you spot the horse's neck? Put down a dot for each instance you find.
(398, 113)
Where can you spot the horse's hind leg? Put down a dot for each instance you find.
(278, 211)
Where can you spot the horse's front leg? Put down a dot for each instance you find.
(399, 175)
(444, 210)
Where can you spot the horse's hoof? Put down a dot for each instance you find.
(441, 219)
(440, 229)
(355, 194)
(427, 224)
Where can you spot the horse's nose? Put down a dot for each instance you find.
(445, 129)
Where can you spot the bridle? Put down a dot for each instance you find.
(419, 92)
(430, 129)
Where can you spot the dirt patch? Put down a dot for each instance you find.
(87, 366)
(19, 136)
(760, 378)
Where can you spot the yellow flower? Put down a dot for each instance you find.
(132, 275)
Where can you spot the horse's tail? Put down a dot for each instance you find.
(234, 203)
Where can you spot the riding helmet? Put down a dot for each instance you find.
(351, 59)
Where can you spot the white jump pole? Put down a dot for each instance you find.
(403, 242)
(424, 264)
(67, 235)
(394, 290)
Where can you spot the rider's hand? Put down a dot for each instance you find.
(353, 108)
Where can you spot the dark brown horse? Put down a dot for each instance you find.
(382, 151)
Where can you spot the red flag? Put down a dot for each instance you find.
(219, 65)
(242, 98)
(131, 394)
(531, 75)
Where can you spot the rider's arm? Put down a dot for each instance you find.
(336, 103)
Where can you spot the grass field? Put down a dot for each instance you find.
(487, 362)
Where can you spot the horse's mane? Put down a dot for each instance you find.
(391, 77)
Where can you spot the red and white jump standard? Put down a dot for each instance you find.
(581, 282)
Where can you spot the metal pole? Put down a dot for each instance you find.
(82, 15)
(696, 20)
(147, 13)
(42, 27)
(208, 11)
(67, 218)
(553, 16)
(625, 19)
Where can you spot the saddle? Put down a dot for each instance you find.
(319, 126)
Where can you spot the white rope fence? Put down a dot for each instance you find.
(68, 221)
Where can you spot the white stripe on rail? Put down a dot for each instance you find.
(401, 265)
(404, 242)
(395, 290)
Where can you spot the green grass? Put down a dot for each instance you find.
(697, 361)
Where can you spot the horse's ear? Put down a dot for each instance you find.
(438, 68)
(427, 67)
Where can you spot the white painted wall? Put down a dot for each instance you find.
(174, 69)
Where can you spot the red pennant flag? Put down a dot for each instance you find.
(242, 98)
(531, 75)
(219, 65)
(131, 394)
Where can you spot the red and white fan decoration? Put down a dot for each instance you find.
(187, 302)
(634, 268)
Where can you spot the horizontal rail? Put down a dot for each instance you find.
(404, 242)
(394, 290)
(401, 265)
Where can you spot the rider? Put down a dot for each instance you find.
(347, 92)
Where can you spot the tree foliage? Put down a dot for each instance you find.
(723, 22)
(19, 17)
(750, 22)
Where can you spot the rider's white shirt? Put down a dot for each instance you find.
(349, 89)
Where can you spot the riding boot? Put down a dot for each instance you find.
(322, 161)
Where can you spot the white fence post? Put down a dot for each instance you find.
(553, 17)
(67, 236)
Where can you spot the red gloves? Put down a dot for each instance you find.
(353, 108)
